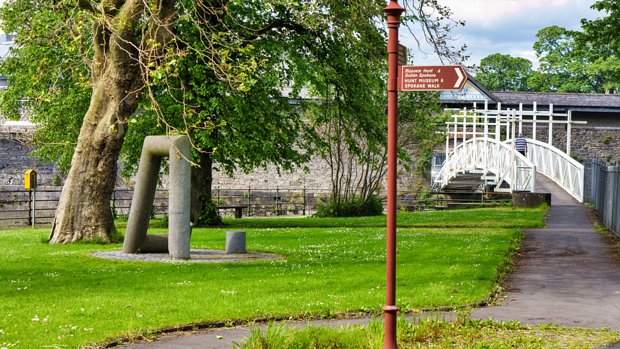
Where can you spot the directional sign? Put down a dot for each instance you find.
(431, 78)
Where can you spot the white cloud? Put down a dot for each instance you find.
(507, 26)
(491, 11)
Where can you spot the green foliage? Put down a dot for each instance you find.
(351, 207)
(47, 75)
(351, 93)
(500, 72)
(420, 124)
(562, 63)
(348, 84)
(603, 33)
(210, 215)
(601, 39)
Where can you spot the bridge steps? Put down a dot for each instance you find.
(466, 182)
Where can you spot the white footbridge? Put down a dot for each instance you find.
(481, 141)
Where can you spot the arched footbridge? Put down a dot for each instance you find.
(499, 164)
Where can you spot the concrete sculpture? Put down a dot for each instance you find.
(178, 149)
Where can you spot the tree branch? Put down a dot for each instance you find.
(86, 5)
(159, 30)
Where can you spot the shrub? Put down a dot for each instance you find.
(210, 215)
(354, 207)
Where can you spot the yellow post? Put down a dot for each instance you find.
(30, 179)
(30, 183)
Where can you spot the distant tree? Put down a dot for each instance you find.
(601, 39)
(569, 62)
(498, 72)
(562, 65)
(604, 32)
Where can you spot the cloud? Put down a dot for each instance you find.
(490, 12)
(510, 26)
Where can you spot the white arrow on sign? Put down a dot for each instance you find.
(460, 79)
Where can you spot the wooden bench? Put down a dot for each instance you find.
(238, 209)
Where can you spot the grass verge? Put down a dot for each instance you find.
(432, 333)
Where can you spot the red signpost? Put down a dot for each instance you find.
(403, 78)
(431, 78)
(393, 11)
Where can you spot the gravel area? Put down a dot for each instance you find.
(196, 256)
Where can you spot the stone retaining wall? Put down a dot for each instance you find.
(15, 160)
(587, 143)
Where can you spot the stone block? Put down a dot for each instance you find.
(528, 200)
(235, 242)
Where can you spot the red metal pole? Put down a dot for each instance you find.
(393, 11)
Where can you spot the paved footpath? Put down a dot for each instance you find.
(568, 275)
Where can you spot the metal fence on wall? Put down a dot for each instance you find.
(20, 207)
(602, 190)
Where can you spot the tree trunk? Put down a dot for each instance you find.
(84, 207)
(202, 181)
(83, 211)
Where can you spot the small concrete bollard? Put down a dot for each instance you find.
(235, 241)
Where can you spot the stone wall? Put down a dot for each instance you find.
(587, 143)
(602, 144)
(597, 120)
(15, 160)
(316, 179)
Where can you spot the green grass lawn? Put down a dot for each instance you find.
(505, 217)
(60, 296)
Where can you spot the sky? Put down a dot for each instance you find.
(505, 26)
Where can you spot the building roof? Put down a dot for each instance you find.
(573, 100)
(474, 92)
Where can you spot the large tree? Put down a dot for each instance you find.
(187, 66)
(601, 39)
(570, 62)
(119, 54)
(499, 72)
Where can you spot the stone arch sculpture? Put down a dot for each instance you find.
(178, 149)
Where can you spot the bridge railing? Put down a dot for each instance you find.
(558, 166)
(603, 192)
(498, 162)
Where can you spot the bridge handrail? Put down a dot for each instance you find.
(558, 166)
(476, 154)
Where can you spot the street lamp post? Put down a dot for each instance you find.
(393, 11)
